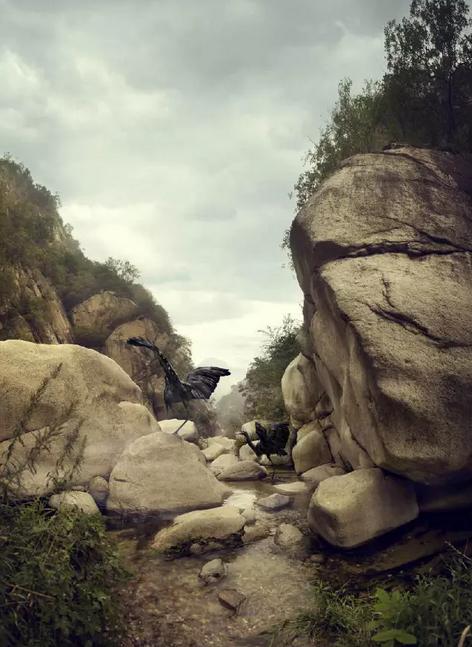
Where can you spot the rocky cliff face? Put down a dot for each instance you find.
(383, 254)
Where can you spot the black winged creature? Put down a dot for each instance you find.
(272, 441)
(199, 385)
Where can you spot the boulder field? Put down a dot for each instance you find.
(383, 387)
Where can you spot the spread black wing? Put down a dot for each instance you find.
(261, 433)
(203, 380)
(280, 433)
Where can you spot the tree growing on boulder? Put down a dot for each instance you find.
(261, 388)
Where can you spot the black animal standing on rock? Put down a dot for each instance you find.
(270, 442)
(199, 385)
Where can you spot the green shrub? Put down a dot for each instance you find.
(432, 612)
(58, 574)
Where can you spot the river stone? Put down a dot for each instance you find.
(243, 471)
(352, 509)
(222, 462)
(255, 533)
(228, 444)
(213, 571)
(161, 473)
(88, 396)
(213, 451)
(297, 487)
(188, 432)
(231, 599)
(382, 252)
(98, 489)
(311, 451)
(82, 501)
(218, 523)
(249, 514)
(314, 476)
(274, 502)
(246, 453)
(288, 536)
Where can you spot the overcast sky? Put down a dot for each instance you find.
(175, 130)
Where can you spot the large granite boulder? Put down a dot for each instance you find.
(161, 474)
(383, 255)
(352, 509)
(102, 312)
(76, 402)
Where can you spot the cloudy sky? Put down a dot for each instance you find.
(174, 131)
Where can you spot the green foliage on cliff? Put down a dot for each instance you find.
(33, 237)
(58, 576)
(432, 610)
(261, 388)
(423, 99)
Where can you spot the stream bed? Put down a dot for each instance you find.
(169, 606)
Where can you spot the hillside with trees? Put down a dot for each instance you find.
(52, 293)
(423, 99)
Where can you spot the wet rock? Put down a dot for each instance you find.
(314, 476)
(297, 487)
(250, 515)
(444, 498)
(213, 451)
(317, 558)
(231, 599)
(274, 501)
(161, 473)
(255, 533)
(217, 523)
(223, 462)
(78, 500)
(98, 489)
(310, 451)
(289, 537)
(243, 471)
(352, 509)
(213, 571)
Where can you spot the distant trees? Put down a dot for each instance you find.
(261, 388)
(424, 97)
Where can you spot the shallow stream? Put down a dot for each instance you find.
(170, 607)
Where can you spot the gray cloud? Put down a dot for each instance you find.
(175, 131)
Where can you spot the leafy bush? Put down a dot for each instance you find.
(261, 388)
(58, 574)
(432, 612)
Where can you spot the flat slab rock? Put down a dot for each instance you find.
(298, 487)
(231, 599)
(217, 523)
(274, 501)
(243, 471)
